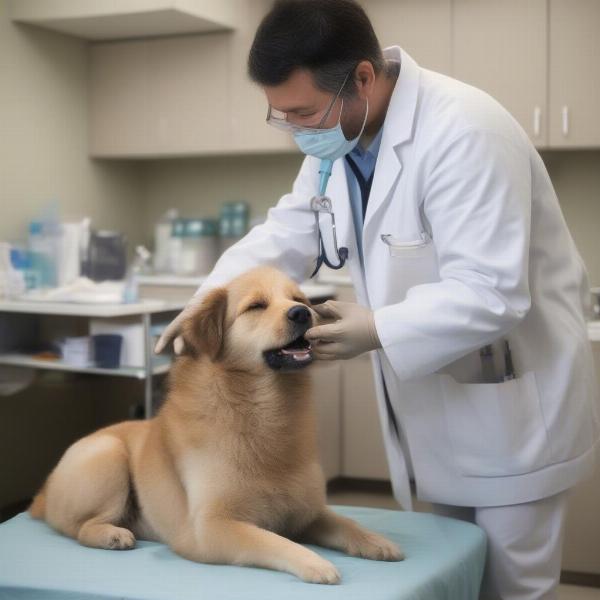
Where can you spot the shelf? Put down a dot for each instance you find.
(90, 310)
(122, 19)
(160, 365)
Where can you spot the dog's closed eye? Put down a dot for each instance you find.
(257, 306)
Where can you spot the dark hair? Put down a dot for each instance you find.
(328, 37)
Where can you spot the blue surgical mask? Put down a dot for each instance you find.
(328, 144)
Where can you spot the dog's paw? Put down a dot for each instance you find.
(120, 539)
(318, 570)
(375, 547)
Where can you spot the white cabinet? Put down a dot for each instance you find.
(539, 59)
(501, 48)
(180, 96)
(574, 73)
(363, 453)
(160, 97)
(190, 95)
(327, 395)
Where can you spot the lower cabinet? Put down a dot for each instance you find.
(326, 378)
(350, 439)
(363, 453)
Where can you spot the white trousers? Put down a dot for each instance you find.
(524, 549)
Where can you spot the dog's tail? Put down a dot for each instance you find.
(37, 509)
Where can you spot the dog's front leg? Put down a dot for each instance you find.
(223, 541)
(335, 531)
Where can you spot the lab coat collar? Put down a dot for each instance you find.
(398, 128)
(398, 123)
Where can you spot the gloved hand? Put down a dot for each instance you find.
(351, 333)
(171, 333)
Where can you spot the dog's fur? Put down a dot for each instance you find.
(227, 472)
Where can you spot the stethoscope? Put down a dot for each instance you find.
(322, 204)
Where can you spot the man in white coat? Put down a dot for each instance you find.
(471, 292)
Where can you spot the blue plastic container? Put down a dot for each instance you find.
(107, 350)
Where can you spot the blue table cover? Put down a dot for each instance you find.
(444, 561)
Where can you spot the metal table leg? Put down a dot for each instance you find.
(148, 352)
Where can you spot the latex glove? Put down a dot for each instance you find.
(351, 333)
(171, 333)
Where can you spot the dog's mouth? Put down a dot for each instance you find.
(295, 355)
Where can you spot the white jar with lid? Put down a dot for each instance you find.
(199, 247)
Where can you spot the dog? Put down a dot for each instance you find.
(227, 471)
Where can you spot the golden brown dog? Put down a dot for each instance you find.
(228, 471)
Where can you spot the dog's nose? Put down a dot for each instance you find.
(299, 314)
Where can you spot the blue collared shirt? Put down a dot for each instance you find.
(365, 161)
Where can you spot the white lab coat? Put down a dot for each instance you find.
(496, 262)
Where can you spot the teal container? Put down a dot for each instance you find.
(233, 221)
(198, 228)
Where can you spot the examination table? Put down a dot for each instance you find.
(444, 561)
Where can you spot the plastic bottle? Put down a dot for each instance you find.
(131, 292)
(42, 246)
(162, 238)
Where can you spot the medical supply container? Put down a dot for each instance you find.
(162, 238)
(233, 224)
(43, 249)
(198, 248)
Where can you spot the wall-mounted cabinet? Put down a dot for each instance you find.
(500, 47)
(539, 59)
(574, 73)
(191, 95)
(178, 96)
(117, 19)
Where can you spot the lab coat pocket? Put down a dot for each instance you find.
(496, 429)
(399, 247)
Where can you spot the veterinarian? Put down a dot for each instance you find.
(470, 289)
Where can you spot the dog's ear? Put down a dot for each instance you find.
(204, 330)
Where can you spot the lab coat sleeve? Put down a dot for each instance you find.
(477, 200)
(286, 240)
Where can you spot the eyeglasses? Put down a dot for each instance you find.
(279, 119)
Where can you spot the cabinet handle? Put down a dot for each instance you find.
(537, 119)
(565, 121)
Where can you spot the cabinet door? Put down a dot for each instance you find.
(326, 392)
(420, 28)
(574, 73)
(501, 48)
(363, 453)
(189, 98)
(160, 97)
(119, 102)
